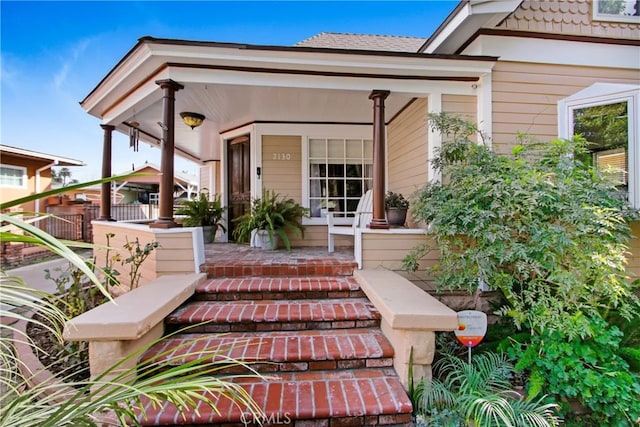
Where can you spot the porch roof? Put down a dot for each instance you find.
(42, 157)
(236, 84)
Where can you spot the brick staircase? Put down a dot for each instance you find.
(308, 327)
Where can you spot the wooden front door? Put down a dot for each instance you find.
(238, 178)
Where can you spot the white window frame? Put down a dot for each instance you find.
(24, 176)
(306, 198)
(604, 94)
(607, 17)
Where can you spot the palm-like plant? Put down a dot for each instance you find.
(478, 394)
(202, 212)
(121, 400)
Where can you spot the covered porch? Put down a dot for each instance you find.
(279, 118)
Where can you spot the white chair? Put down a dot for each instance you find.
(363, 216)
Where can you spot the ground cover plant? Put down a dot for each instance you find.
(551, 233)
(479, 393)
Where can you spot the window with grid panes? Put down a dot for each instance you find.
(340, 172)
(13, 176)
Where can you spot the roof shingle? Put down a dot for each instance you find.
(363, 42)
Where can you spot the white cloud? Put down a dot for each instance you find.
(70, 58)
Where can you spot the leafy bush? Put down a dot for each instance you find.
(590, 371)
(551, 234)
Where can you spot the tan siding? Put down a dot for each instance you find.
(316, 235)
(116, 243)
(525, 96)
(407, 138)
(210, 177)
(174, 253)
(464, 105)
(282, 165)
(388, 250)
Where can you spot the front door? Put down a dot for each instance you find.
(238, 178)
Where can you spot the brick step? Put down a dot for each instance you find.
(281, 351)
(319, 398)
(270, 288)
(275, 315)
(285, 267)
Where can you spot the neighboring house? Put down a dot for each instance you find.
(144, 189)
(309, 120)
(26, 172)
(141, 189)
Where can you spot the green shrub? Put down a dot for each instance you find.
(632, 356)
(590, 371)
(550, 233)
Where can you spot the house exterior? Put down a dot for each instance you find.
(337, 114)
(26, 172)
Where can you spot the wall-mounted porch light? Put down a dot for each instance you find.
(192, 119)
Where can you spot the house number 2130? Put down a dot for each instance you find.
(281, 156)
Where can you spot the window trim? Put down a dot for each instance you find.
(306, 180)
(608, 17)
(604, 94)
(24, 176)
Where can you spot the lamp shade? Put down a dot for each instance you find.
(192, 120)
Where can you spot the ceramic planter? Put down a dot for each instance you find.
(396, 216)
(265, 243)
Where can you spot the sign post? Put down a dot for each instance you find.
(472, 327)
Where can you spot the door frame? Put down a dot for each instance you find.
(255, 160)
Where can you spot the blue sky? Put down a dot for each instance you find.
(54, 53)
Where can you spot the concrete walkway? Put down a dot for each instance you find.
(34, 276)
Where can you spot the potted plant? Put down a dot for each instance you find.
(396, 207)
(205, 213)
(269, 219)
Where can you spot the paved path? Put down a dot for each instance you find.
(33, 275)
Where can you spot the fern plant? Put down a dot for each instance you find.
(274, 214)
(202, 212)
(478, 394)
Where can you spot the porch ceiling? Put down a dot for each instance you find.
(233, 85)
(229, 106)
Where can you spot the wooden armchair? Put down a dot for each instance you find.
(363, 216)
